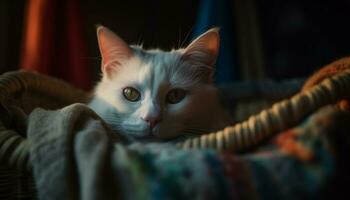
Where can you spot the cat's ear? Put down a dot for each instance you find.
(113, 49)
(205, 48)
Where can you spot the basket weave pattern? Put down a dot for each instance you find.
(21, 92)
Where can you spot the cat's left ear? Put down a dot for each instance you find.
(113, 50)
(205, 48)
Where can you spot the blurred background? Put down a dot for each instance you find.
(261, 39)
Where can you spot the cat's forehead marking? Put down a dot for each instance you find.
(144, 74)
(156, 67)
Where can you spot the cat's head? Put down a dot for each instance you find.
(155, 93)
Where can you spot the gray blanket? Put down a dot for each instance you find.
(76, 156)
(70, 151)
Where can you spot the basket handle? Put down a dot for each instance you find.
(280, 116)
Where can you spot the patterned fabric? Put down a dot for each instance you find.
(298, 167)
(74, 157)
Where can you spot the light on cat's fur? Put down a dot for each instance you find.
(174, 92)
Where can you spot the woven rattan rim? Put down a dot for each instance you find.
(14, 149)
(280, 116)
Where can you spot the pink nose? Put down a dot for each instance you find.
(152, 121)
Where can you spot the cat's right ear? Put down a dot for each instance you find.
(113, 50)
(205, 48)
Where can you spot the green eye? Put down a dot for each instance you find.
(131, 94)
(175, 96)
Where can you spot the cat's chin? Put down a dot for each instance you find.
(141, 135)
(148, 135)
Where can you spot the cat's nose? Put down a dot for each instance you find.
(152, 121)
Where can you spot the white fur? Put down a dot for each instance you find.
(154, 73)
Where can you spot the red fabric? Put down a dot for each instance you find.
(53, 41)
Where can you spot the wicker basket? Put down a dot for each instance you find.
(21, 92)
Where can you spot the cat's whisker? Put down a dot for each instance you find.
(186, 37)
(139, 41)
(179, 40)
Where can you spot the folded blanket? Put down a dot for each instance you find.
(76, 156)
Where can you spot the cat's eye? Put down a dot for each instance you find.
(175, 96)
(131, 94)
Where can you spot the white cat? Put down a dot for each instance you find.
(154, 94)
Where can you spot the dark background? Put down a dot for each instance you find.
(300, 36)
(295, 37)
